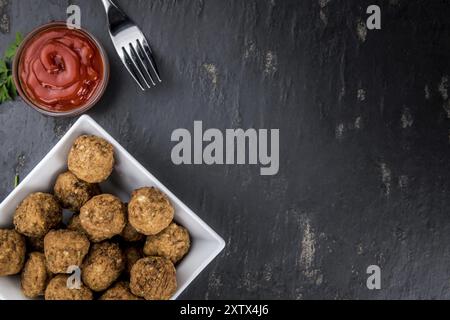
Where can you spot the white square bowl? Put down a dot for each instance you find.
(127, 176)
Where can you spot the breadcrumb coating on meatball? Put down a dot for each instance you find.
(65, 248)
(103, 266)
(129, 233)
(72, 193)
(37, 214)
(34, 276)
(103, 217)
(12, 252)
(132, 255)
(120, 291)
(58, 289)
(153, 278)
(172, 243)
(74, 224)
(91, 159)
(150, 211)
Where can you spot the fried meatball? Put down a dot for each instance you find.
(120, 291)
(171, 243)
(75, 225)
(132, 255)
(103, 217)
(65, 248)
(37, 214)
(34, 276)
(12, 252)
(91, 159)
(35, 244)
(58, 289)
(129, 233)
(72, 193)
(150, 211)
(153, 278)
(103, 266)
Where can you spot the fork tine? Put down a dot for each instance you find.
(135, 61)
(148, 53)
(127, 61)
(141, 58)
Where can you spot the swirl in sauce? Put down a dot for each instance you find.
(60, 69)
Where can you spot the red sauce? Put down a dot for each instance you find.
(60, 69)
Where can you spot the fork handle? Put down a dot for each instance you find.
(114, 14)
(107, 4)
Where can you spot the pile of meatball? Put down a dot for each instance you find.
(124, 252)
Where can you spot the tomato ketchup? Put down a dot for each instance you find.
(60, 69)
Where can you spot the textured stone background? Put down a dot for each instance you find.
(364, 119)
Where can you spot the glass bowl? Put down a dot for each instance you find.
(42, 109)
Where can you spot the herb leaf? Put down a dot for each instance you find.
(16, 180)
(7, 88)
(12, 49)
(3, 69)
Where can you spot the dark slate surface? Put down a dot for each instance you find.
(364, 118)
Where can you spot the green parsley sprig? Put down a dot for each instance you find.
(7, 88)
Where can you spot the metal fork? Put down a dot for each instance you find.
(132, 47)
